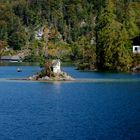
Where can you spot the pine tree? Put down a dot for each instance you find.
(112, 41)
(129, 20)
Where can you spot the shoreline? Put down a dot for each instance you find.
(80, 80)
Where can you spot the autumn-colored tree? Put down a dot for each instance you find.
(3, 45)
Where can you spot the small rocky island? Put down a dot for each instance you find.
(51, 72)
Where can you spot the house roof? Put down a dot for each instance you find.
(5, 57)
(136, 41)
(15, 57)
(10, 58)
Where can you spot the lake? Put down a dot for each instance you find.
(69, 110)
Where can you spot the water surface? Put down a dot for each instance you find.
(71, 110)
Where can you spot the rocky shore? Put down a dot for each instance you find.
(136, 69)
(62, 76)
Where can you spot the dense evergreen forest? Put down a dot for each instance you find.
(93, 34)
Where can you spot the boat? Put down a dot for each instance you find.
(19, 70)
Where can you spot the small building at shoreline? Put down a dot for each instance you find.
(10, 59)
(56, 66)
(136, 44)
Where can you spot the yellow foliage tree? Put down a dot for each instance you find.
(3, 44)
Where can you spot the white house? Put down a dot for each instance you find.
(136, 49)
(136, 44)
(39, 34)
(93, 41)
(56, 66)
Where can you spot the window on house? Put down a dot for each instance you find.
(136, 49)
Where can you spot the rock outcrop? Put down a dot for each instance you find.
(62, 76)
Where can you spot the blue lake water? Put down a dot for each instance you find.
(71, 110)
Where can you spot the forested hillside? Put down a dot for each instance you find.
(94, 34)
